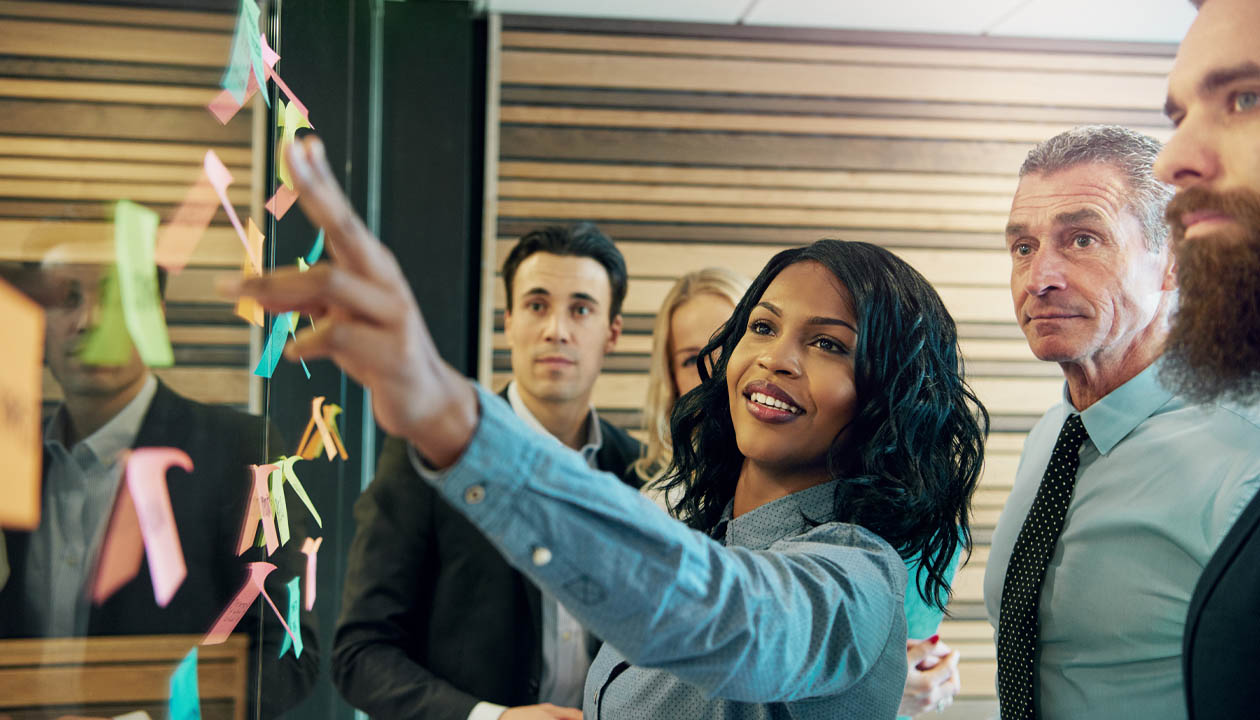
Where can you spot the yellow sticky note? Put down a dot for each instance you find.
(289, 118)
(21, 380)
(246, 307)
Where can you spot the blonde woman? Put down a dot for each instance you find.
(695, 308)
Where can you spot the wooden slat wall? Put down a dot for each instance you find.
(693, 149)
(99, 103)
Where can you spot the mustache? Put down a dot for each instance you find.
(1239, 203)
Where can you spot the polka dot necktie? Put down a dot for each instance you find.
(1021, 590)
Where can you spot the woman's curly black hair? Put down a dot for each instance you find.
(912, 454)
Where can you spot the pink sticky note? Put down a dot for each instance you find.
(259, 511)
(179, 237)
(280, 203)
(232, 614)
(270, 58)
(122, 550)
(310, 548)
(224, 106)
(275, 77)
(219, 177)
(324, 435)
(146, 479)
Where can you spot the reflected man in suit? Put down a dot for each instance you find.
(106, 410)
(1124, 488)
(1213, 352)
(434, 622)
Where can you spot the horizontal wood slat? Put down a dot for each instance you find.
(119, 43)
(33, 240)
(82, 149)
(115, 15)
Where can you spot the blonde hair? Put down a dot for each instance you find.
(661, 395)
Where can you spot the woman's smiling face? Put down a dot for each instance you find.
(790, 378)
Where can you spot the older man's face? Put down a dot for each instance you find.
(1214, 160)
(1086, 289)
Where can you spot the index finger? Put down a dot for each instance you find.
(327, 206)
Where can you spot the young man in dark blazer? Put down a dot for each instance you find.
(434, 623)
(108, 409)
(1213, 348)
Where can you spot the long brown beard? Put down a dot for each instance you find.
(1213, 349)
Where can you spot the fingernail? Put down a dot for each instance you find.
(932, 640)
(228, 285)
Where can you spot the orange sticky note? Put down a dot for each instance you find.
(259, 511)
(122, 551)
(280, 203)
(146, 479)
(331, 412)
(21, 382)
(232, 614)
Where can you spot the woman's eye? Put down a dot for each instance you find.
(1083, 241)
(690, 361)
(1244, 101)
(829, 345)
(759, 327)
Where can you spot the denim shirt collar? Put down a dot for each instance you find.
(1117, 414)
(789, 515)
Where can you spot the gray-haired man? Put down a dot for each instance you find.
(1124, 488)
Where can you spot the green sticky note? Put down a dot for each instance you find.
(107, 342)
(287, 464)
(278, 505)
(295, 607)
(185, 701)
(135, 235)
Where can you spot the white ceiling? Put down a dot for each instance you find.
(1163, 21)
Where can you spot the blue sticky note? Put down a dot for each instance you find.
(293, 321)
(280, 329)
(294, 620)
(246, 55)
(185, 702)
(316, 250)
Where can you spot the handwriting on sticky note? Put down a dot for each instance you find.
(122, 550)
(108, 341)
(135, 235)
(236, 609)
(146, 480)
(310, 548)
(185, 700)
(21, 379)
(295, 618)
(258, 510)
(279, 506)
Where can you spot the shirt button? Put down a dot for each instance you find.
(541, 556)
(474, 494)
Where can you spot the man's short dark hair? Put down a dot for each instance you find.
(580, 240)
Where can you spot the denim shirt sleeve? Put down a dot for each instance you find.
(807, 618)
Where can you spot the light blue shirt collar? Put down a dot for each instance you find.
(1120, 411)
(594, 436)
(761, 527)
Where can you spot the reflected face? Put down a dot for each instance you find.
(1214, 102)
(1085, 288)
(558, 328)
(67, 321)
(690, 327)
(790, 380)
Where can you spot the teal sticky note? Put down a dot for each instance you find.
(280, 328)
(185, 702)
(107, 342)
(293, 321)
(245, 57)
(316, 250)
(295, 607)
(135, 236)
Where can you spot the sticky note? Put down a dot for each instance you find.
(185, 702)
(280, 203)
(281, 328)
(293, 321)
(108, 342)
(146, 480)
(259, 510)
(219, 177)
(286, 464)
(279, 506)
(290, 121)
(21, 381)
(236, 609)
(295, 620)
(135, 234)
(316, 423)
(122, 550)
(248, 308)
(179, 237)
(317, 249)
(310, 548)
(246, 56)
(331, 412)
(270, 72)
